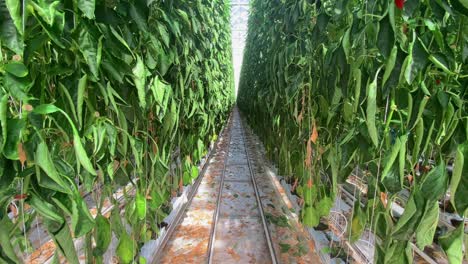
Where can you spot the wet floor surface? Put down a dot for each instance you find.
(239, 234)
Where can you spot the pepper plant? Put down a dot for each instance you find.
(373, 88)
(96, 94)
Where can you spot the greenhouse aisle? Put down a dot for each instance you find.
(240, 213)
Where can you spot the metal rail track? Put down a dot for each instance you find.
(218, 201)
(257, 196)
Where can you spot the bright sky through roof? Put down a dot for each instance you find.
(239, 16)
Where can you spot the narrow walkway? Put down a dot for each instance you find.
(240, 213)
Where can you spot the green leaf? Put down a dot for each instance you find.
(139, 78)
(82, 221)
(358, 223)
(452, 243)
(50, 18)
(440, 61)
(45, 209)
(460, 6)
(18, 87)
(14, 7)
(87, 7)
(459, 181)
(371, 110)
(64, 241)
(390, 64)
(417, 60)
(44, 159)
(386, 38)
(6, 241)
(164, 34)
(311, 217)
(69, 100)
(126, 249)
(9, 34)
(89, 49)
(17, 69)
(3, 120)
(194, 172)
(418, 140)
(402, 158)
(408, 222)
(399, 252)
(426, 229)
(390, 159)
(14, 134)
(434, 183)
(78, 146)
(346, 43)
(139, 17)
(46, 109)
(120, 39)
(47, 10)
(81, 154)
(309, 194)
(324, 206)
(140, 203)
(82, 85)
(103, 235)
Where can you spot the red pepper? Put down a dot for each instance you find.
(437, 81)
(399, 3)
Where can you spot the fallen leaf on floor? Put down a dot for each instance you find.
(233, 254)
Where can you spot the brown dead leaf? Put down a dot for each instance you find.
(233, 254)
(300, 201)
(294, 185)
(426, 168)
(21, 154)
(410, 178)
(383, 198)
(155, 148)
(181, 184)
(14, 210)
(116, 165)
(28, 107)
(300, 117)
(310, 183)
(314, 135)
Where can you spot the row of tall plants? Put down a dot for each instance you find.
(374, 88)
(96, 94)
